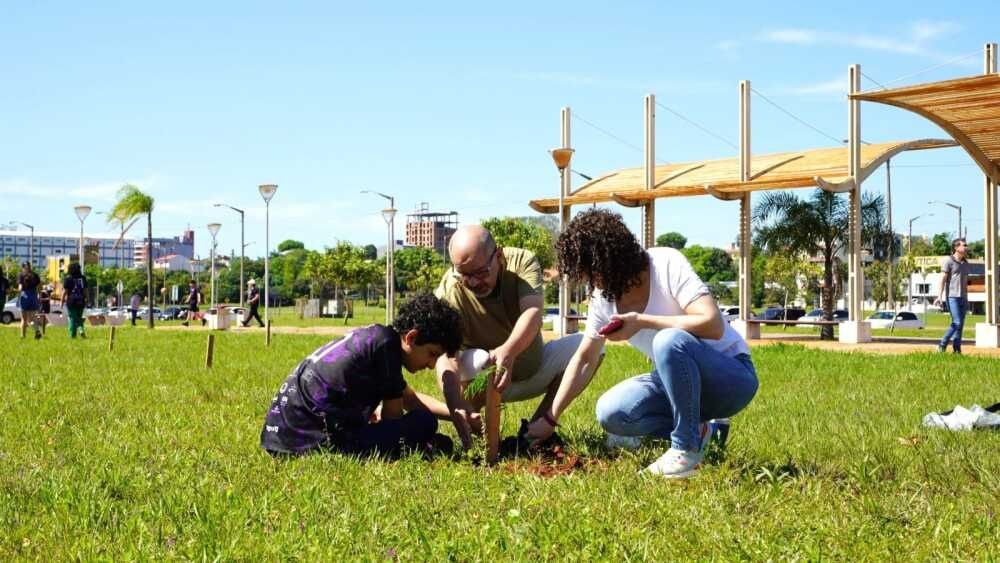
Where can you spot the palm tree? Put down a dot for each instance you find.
(815, 226)
(133, 203)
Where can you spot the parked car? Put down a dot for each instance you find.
(145, 311)
(552, 314)
(772, 314)
(172, 312)
(12, 311)
(890, 319)
(730, 313)
(839, 316)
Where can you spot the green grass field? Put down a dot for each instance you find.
(145, 454)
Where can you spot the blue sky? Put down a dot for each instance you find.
(454, 104)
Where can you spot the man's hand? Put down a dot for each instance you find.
(503, 359)
(466, 424)
(631, 324)
(539, 430)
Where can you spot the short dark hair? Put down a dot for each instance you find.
(597, 245)
(435, 321)
(954, 242)
(74, 269)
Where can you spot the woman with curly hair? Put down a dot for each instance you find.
(655, 301)
(350, 395)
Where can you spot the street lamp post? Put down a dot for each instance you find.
(81, 213)
(243, 247)
(388, 215)
(267, 192)
(562, 157)
(955, 207)
(213, 228)
(909, 247)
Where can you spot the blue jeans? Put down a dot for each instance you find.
(692, 383)
(956, 307)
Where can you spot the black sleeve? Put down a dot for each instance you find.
(388, 364)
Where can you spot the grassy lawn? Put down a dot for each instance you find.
(145, 454)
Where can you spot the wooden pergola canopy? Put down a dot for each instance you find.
(823, 168)
(967, 108)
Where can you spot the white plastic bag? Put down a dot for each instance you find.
(962, 418)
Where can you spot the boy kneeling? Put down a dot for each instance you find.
(328, 401)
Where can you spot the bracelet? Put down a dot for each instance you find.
(550, 419)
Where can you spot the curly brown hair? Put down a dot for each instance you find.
(597, 246)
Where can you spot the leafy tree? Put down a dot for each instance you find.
(941, 244)
(286, 245)
(919, 247)
(790, 275)
(710, 263)
(418, 268)
(10, 269)
(878, 273)
(814, 226)
(133, 203)
(519, 233)
(672, 239)
(977, 249)
(371, 253)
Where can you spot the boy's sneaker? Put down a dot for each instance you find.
(616, 441)
(675, 464)
(38, 335)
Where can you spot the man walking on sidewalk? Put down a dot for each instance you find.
(954, 292)
(253, 301)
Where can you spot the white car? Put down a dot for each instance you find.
(729, 313)
(12, 311)
(889, 319)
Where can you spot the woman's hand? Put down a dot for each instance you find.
(539, 430)
(631, 324)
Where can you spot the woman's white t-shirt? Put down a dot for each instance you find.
(673, 286)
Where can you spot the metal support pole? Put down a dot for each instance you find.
(992, 312)
(267, 264)
(745, 265)
(891, 297)
(649, 208)
(565, 121)
(855, 282)
(243, 249)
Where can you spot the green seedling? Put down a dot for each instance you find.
(478, 383)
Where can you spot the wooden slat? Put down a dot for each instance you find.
(770, 172)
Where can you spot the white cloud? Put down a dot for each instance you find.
(915, 41)
(833, 86)
(794, 36)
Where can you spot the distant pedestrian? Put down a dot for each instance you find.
(74, 299)
(4, 285)
(27, 284)
(253, 301)
(193, 300)
(134, 303)
(44, 305)
(954, 293)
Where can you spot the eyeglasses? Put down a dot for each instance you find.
(479, 274)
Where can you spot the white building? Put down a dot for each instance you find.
(103, 247)
(176, 263)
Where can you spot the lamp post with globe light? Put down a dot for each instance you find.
(213, 228)
(389, 214)
(81, 213)
(243, 247)
(562, 156)
(267, 191)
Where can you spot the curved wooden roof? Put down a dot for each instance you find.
(967, 108)
(823, 168)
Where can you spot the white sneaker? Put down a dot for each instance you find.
(675, 464)
(615, 441)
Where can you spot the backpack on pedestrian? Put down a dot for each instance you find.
(76, 298)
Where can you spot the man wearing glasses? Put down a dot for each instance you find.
(498, 293)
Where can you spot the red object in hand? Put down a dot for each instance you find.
(607, 329)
